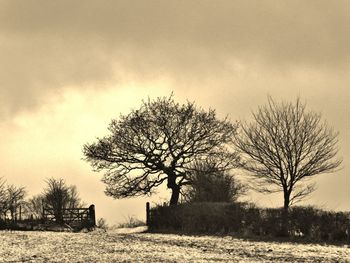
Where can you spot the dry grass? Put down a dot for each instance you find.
(131, 222)
(129, 246)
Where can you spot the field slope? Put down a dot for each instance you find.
(123, 246)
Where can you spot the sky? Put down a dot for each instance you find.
(67, 68)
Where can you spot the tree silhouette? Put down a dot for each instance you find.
(11, 198)
(158, 143)
(284, 146)
(58, 196)
(14, 199)
(35, 206)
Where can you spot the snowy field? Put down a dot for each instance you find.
(130, 246)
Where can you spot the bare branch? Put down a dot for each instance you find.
(284, 145)
(301, 192)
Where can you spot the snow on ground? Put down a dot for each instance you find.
(125, 245)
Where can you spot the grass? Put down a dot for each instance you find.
(112, 246)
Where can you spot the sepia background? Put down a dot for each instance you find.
(68, 67)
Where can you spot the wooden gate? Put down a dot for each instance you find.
(74, 217)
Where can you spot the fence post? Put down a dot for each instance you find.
(92, 216)
(147, 214)
(31, 222)
(43, 211)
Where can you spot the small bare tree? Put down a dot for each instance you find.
(59, 196)
(159, 143)
(35, 206)
(11, 198)
(14, 199)
(285, 146)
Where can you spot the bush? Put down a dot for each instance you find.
(208, 183)
(200, 217)
(248, 220)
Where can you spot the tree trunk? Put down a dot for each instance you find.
(59, 216)
(12, 214)
(175, 194)
(174, 187)
(285, 214)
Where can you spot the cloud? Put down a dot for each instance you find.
(68, 67)
(48, 45)
(48, 142)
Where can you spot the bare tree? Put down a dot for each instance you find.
(35, 206)
(11, 198)
(285, 146)
(158, 143)
(209, 183)
(14, 199)
(58, 196)
(3, 197)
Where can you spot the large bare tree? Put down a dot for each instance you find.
(158, 143)
(286, 145)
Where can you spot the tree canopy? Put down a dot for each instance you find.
(284, 146)
(158, 143)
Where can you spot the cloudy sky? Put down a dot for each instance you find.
(68, 67)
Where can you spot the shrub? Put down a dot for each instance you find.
(102, 223)
(200, 217)
(248, 220)
(208, 183)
